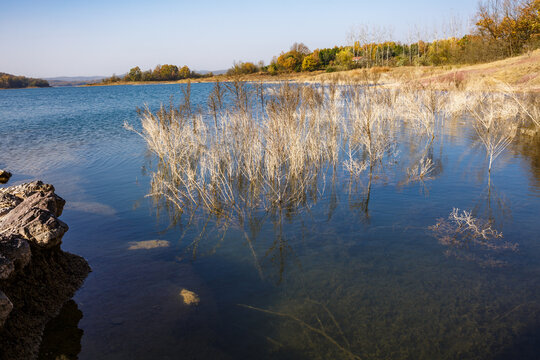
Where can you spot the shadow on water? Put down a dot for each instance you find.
(62, 336)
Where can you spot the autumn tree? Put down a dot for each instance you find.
(184, 72)
(344, 58)
(293, 59)
(243, 68)
(290, 61)
(311, 62)
(511, 24)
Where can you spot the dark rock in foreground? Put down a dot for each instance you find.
(36, 276)
(4, 176)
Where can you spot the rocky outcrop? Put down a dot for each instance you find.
(4, 176)
(36, 276)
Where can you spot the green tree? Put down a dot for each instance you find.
(168, 72)
(135, 74)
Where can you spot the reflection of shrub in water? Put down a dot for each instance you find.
(465, 234)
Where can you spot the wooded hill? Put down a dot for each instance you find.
(8, 81)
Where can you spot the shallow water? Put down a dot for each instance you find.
(327, 281)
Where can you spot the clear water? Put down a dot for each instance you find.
(336, 279)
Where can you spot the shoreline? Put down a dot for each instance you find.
(520, 72)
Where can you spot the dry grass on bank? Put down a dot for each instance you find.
(521, 72)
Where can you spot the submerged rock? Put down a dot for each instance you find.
(4, 176)
(148, 244)
(36, 276)
(189, 297)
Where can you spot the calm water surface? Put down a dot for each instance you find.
(333, 278)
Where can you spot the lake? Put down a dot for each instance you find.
(342, 276)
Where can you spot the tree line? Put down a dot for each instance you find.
(8, 81)
(503, 28)
(160, 73)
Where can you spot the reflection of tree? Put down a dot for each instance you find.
(472, 235)
(494, 122)
(492, 205)
(370, 129)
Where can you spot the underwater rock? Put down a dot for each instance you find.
(189, 297)
(36, 276)
(148, 244)
(4, 176)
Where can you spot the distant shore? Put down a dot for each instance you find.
(28, 87)
(521, 72)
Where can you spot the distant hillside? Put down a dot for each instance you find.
(8, 81)
(215, 72)
(73, 80)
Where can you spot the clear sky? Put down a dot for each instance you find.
(45, 38)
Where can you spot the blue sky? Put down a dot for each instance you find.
(75, 38)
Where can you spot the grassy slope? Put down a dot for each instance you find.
(522, 72)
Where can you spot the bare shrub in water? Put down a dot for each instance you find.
(529, 105)
(421, 107)
(456, 104)
(245, 159)
(465, 235)
(368, 126)
(270, 148)
(495, 122)
(420, 171)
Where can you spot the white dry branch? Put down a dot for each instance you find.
(466, 236)
(495, 122)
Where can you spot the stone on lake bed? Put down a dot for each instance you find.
(117, 321)
(189, 297)
(148, 244)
